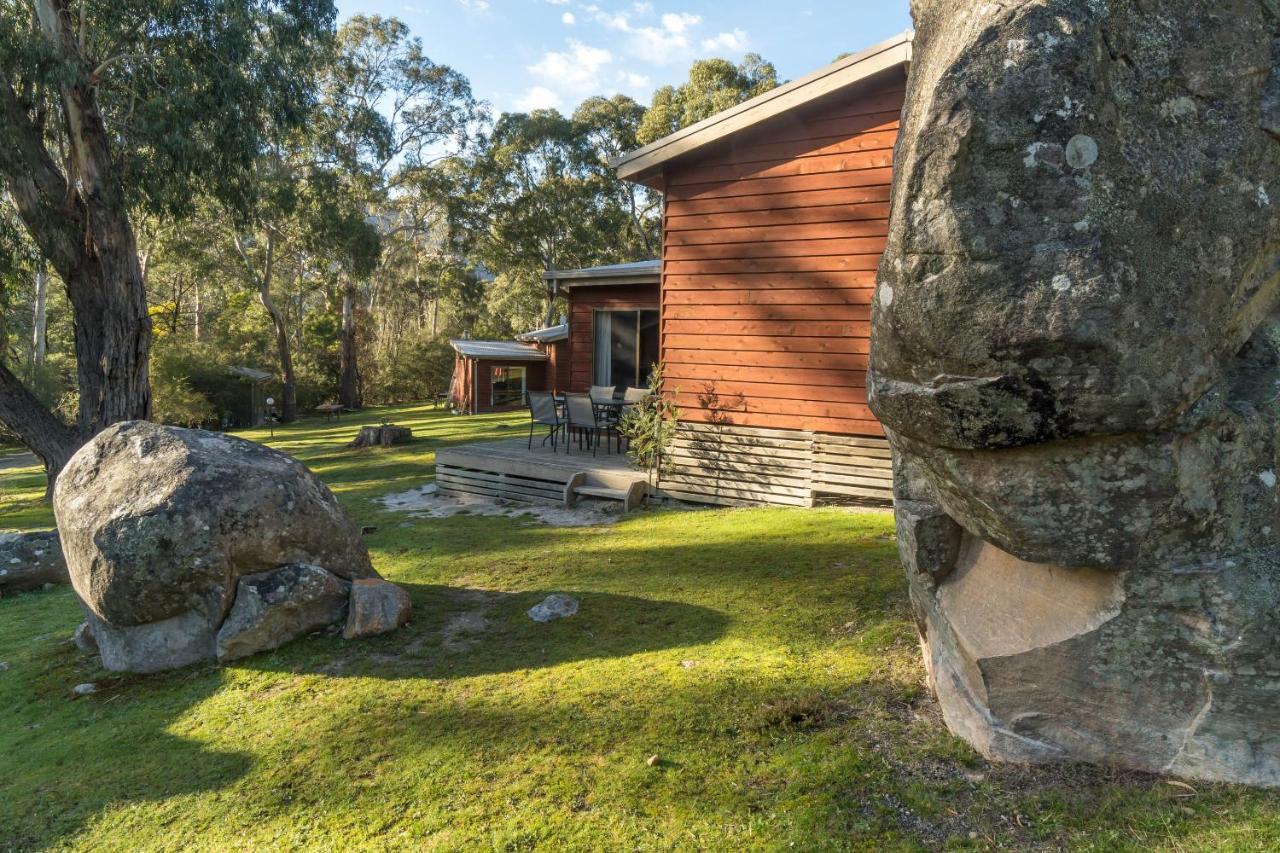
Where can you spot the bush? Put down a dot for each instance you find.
(424, 365)
(650, 428)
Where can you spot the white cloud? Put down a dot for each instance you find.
(678, 23)
(557, 2)
(734, 42)
(660, 45)
(578, 68)
(614, 21)
(538, 98)
(475, 5)
(568, 19)
(634, 81)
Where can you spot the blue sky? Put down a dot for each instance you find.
(527, 54)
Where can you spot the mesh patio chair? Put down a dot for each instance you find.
(584, 419)
(543, 410)
(602, 393)
(634, 395)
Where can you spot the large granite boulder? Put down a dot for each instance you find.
(1076, 355)
(30, 560)
(159, 524)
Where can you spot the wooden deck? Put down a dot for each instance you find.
(510, 470)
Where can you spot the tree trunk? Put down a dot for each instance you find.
(39, 429)
(40, 323)
(198, 311)
(349, 385)
(81, 225)
(288, 384)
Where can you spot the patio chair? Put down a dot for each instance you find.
(634, 395)
(584, 419)
(543, 410)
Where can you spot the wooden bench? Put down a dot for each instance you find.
(330, 411)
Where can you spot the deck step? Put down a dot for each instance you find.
(603, 492)
(630, 496)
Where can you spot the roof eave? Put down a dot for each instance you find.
(648, 278)
(644, 165)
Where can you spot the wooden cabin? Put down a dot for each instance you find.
(776, 214)
(613, 324)
(496, 376)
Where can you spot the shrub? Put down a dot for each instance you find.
(650, 428)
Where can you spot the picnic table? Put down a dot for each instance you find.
(330, 410)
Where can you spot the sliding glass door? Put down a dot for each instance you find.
(625, 347)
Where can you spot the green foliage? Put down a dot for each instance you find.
(714, 85)
(422, 366)
(185, 89)
(173, 401)
(650, 428)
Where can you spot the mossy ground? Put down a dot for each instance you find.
(766, 656)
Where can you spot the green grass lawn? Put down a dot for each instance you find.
(766, 656)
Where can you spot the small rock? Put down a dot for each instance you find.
(653, 761)
(688, 664)
(84, 637)
(555, 606)
(366, 529)
(4, 665)
(84, 689)
(377, 607)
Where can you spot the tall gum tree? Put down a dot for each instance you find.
(112, 109)
(387, 114)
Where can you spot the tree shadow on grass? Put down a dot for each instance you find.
(460, 633)
(64, 759)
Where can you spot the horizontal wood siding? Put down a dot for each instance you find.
(583, 301)
(744, 466)
(770, 251)
(473, 382)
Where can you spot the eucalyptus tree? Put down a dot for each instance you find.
(387, 113)
(111, 109)
(612, 127)
(714, 85)
(540, 196)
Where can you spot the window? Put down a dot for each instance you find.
(625, 347)
(507, 385)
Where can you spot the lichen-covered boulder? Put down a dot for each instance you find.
(158, 525)
(1076, 355)
(274, 607)
(30, 560)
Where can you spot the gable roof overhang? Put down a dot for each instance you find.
(639, 272)
(866, 67)
(503, 350)
(549, 335)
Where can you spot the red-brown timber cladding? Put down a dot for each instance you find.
(583, 302)
(476, 384)
(769, 256)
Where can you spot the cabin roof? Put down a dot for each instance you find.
(637, 272)
(254, 375)
(512, 350)
(644, 165)
(550, 334)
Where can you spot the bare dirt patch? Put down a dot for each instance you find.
(424, 502)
